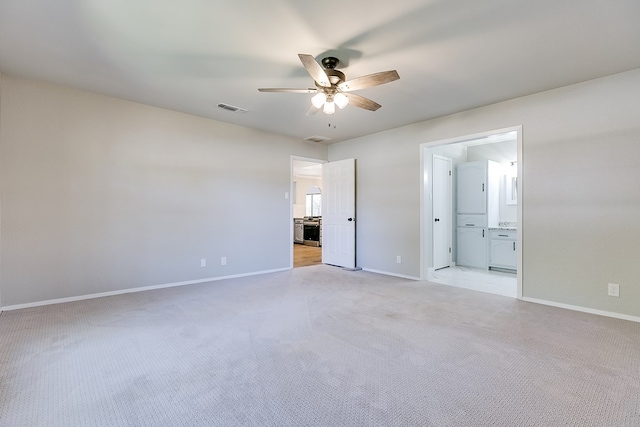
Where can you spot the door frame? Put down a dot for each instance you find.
(291, 197)
(426, 192)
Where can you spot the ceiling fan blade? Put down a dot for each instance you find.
(287, 90)
(312, 111)
(369, 80)
(315, 70)
(362, 102)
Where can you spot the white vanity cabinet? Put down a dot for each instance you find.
(502, 249)
(472, 247)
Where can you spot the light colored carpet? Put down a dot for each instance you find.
(316, 346)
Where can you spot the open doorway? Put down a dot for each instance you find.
(306, 211)
(483, 235)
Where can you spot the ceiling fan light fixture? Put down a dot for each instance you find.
(329, 108)
(331, 83)
(318, 99)
(341, 100)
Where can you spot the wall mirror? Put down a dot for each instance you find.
(511, 190)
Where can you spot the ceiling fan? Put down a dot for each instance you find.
(331, 87)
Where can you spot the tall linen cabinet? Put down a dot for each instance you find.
(477, 208)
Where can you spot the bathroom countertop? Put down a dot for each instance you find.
(506, 225)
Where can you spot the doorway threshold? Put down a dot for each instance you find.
(490, 281)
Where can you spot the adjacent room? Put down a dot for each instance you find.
(340, 214)
(306, 181)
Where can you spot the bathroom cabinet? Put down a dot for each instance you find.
(502, 249)
(477, 197)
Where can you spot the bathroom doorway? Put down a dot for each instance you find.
(504, 147)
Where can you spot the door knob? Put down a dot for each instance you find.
(437, 219)
(350, 219)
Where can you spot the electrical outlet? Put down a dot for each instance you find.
(203, 262)
(223, 260)
(399, 259)
(614, 290)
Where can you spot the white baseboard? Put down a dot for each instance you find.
(386, 273)
(131, 290)
(256, 273)
(583, 309)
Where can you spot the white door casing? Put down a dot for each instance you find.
(442, 206)
(338, 213)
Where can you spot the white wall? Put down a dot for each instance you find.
(302, 185)
(581, 200)
(100, 194)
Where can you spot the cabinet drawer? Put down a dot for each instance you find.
(503, 234)
(472, 220)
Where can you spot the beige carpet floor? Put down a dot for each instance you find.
(316, 346)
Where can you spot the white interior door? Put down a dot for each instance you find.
(442, 201)
(338, 213)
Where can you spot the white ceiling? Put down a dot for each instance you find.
(190, 55)
(306, 169)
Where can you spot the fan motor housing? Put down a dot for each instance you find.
(330, 62)
(335, 77)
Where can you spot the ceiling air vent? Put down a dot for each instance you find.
(232, 108)
(317, 138)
